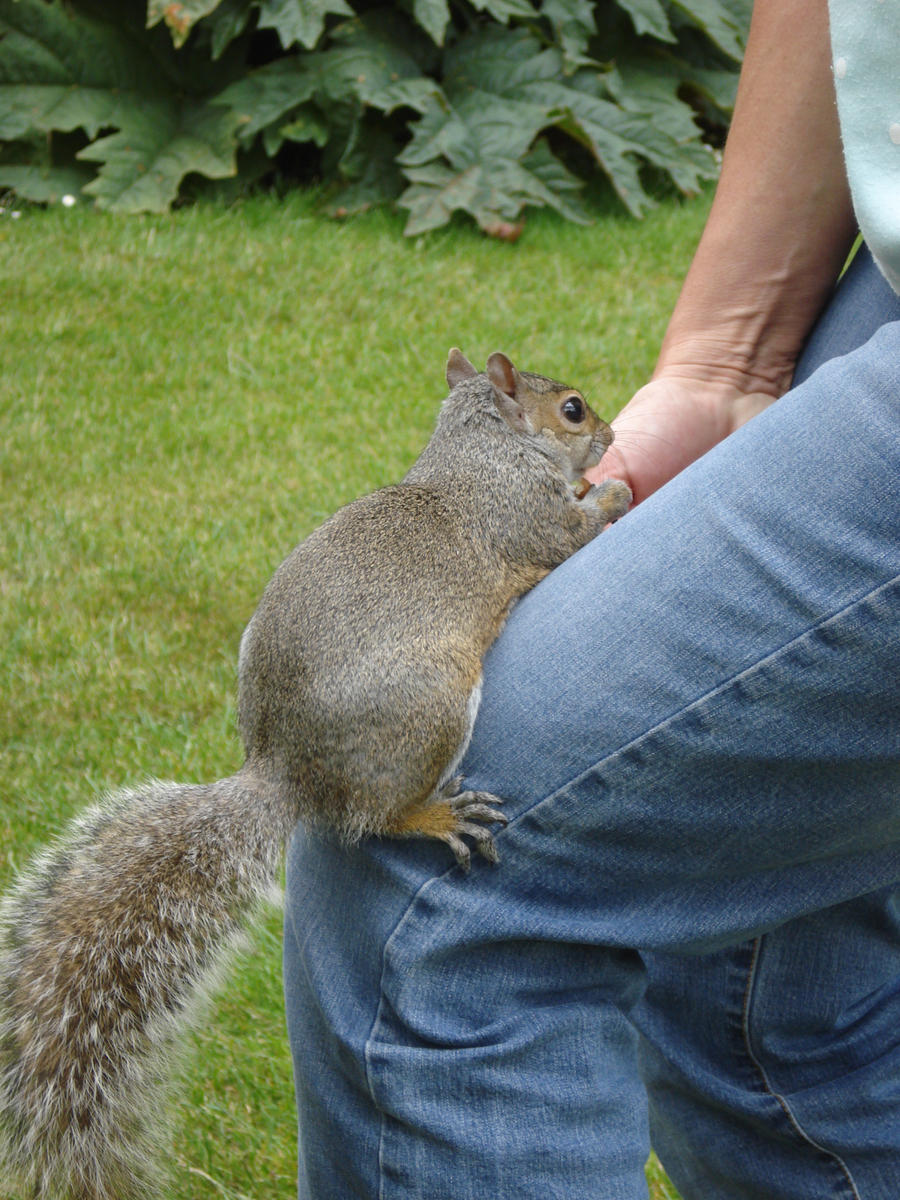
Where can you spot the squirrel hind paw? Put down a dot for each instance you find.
(451, 817)
(468, 808)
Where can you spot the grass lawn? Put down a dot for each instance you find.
(182, 398)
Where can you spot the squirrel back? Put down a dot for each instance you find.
(359, 679)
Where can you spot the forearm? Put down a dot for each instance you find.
(778, 232)
(781, 222)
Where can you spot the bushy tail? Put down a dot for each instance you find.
(107, 943)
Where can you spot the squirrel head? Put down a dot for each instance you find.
(553, 415)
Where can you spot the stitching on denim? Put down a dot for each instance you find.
(368, 1048)
(752, 975)
(382, 1124)
(718, 690)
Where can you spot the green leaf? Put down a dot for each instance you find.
(144, 164)
(433, 16)
(651, 88)
(439, 132)
(620, 139)
(369, 163)
(228, 22)
(481, 109)
(718, 86)
(476, 150)
(500, 125)
(504, 10)
(365, 63)
(494, 191)
(498, 60)
(562, 185)
(649, 16)
(369, 56)
(381, 184)
(740, 12)
(179, 15)
(722, 23)
(574, 24)
(270, 92)
(436, 192)
(477, 126)
(44, 185)
(470, 149)
(408, 93)
(299, 20)
(475, 143)
(308, 125)
(544, 181)
(26, 108)
(62, 71)
(363, 66)
(503, 90)
(593, 124)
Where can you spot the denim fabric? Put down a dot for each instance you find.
(773, 1067)
(695, 722)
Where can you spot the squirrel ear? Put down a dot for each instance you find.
(458, 368)
(505, 382)
(502, 374)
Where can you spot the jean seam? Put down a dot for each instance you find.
(720, 689)
(833, 1156)
(370, 1084)
(377, 1019)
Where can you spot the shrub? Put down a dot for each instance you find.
(484, 106)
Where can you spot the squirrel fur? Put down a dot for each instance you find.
(358, 684)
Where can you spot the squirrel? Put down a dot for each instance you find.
(359, 680)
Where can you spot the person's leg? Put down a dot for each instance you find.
(774, 1068)
(776, 1063)
(694, 721)
(434, 1059)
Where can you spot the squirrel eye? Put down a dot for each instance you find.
(573, 410)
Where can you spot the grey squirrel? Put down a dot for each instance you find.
(358, 684)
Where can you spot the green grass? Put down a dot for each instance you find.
(182, 398)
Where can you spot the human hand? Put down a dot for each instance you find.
(671, 421)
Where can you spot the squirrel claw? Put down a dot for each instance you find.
(484, 844)
(469, 807)
(461, 851)
(483, 812)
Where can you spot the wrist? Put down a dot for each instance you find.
(741, 325)
(727, 364)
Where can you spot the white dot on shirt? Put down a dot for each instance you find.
(840, 67)
(894, 133)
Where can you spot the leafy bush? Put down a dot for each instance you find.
(485, 106)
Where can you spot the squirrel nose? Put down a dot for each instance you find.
(602, 439)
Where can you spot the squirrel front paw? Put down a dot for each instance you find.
(612, 497)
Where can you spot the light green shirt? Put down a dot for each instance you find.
(865, 41)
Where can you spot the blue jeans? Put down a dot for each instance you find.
(694, 929)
